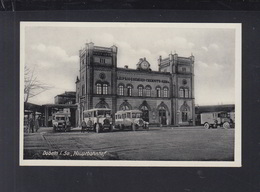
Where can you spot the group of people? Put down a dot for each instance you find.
(33, 125)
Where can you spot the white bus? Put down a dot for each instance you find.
(98, 119)
(130, 119)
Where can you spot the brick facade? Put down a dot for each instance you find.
(165, 96)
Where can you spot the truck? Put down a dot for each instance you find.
(61, 121)
(216, 119)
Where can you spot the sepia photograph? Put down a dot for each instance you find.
(130, 94)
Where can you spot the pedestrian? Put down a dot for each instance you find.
(31, 125)
(83, 126)
(36, 124)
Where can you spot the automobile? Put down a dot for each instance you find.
(130, 119)
(98, 119)
(61, 122)
(215, 119)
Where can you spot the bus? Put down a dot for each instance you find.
(98, 119)
(130, 119)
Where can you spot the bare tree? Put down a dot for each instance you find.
(32, 86)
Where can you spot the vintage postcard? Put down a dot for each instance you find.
(130, 94)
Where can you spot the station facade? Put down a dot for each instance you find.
(166, 96)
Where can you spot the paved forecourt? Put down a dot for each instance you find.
(182, 143)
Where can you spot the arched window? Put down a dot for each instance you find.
(105, 89)
(148, 91)
(102, 104)
(158, 92)
(120, 90)
(184, 111)
(186, 93)
(99, 88)
(129, 90)
(125, 106)
(181, 92)
(140, 90)
(165, 92)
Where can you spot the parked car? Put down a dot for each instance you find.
(130, 119)
(215, 119)
(61, 122)
(98, 119)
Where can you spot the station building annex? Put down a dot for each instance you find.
(166, 96)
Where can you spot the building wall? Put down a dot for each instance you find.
(98, 65)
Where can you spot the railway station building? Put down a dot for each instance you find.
(166, 96)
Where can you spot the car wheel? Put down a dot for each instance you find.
(206, 125)
(226, 125)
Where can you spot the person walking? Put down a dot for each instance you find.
(83, 126)
(31, 125)
(37, 126)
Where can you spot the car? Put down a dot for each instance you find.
(131, 119)
(98, 119)
(61, 122)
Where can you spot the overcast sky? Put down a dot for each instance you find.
(52, 51)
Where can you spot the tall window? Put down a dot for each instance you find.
(121, 90)
(99, 88)
(165, 92)
(140, 91)
(158, 92)
(181, 92)
(186, 93)
(129, 90)
(183, 69)
(148, 91)
(105, 89)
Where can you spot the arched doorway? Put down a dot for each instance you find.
(102, 104)
(125, 106)
(162, 115)
(145, 111)
(163, 110)
(145, 108)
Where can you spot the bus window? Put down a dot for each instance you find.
(119, 117)
(138, 115)
(60, 118)
(123, 116)
(116, 116)
(133, 115)
(128, 115)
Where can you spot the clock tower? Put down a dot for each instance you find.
(143, 65)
